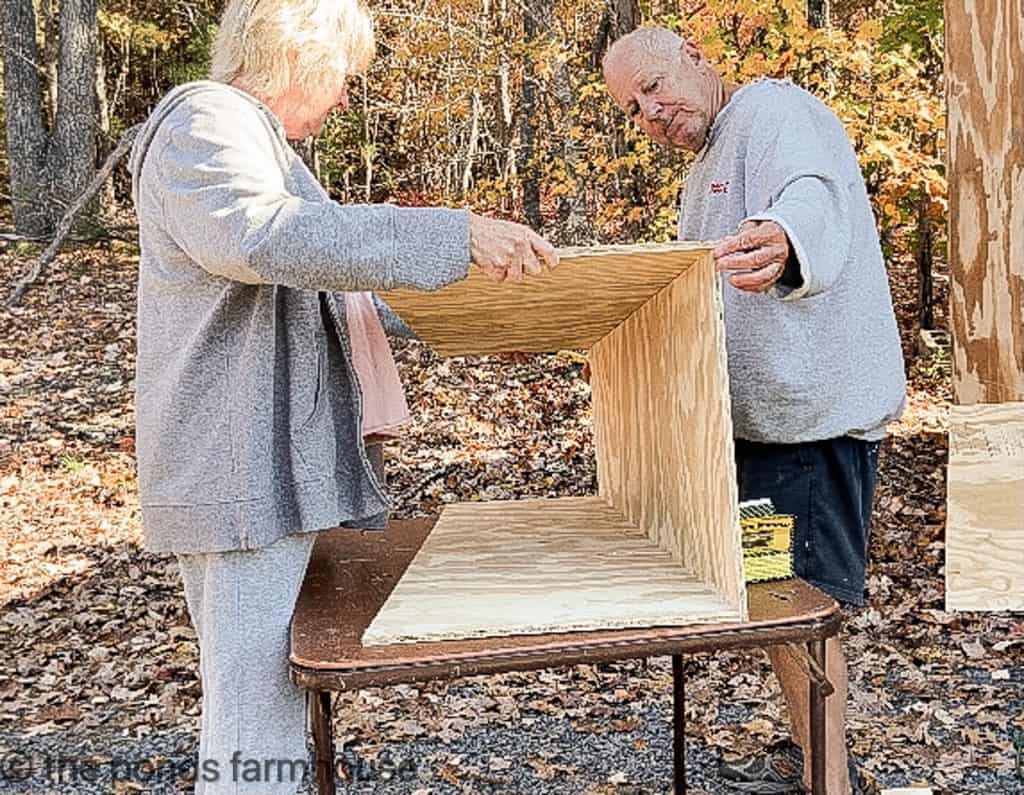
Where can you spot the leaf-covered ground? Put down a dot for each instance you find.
(98, 661)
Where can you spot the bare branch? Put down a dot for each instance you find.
(68, 221)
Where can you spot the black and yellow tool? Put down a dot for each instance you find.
(767, 542)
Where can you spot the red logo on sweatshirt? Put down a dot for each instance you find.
(720, 187)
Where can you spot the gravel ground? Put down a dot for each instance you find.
(551, 754)
(530, 756)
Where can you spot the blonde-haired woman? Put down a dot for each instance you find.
(250, 407)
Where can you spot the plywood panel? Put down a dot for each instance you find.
(661, 545)
(537, 566)
(663, 431)
(985, 516)
(591, 292)
(985, 149)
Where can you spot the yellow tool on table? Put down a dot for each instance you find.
(767, 542)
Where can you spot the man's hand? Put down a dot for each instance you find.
(757, 254)
(504, 250)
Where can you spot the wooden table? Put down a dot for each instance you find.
(352, 572)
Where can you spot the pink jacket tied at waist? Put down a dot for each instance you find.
(384, 406)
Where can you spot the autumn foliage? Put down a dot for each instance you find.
(500, 105)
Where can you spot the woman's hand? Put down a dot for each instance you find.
(504, 250)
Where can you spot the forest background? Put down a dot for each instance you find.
(494, 104)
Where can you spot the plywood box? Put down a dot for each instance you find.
(985, 513)
(660, 544)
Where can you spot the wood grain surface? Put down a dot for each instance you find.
(663, 430)
(591, 292)
(661, 545)
(537, 566)
(985, 150)
(985, 515)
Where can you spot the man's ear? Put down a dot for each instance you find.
(692, 51)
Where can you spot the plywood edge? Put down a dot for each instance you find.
(725, 408)
(572, 307)
(630, 249)
(726, 615)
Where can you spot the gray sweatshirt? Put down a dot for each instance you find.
(248, 407)
(822, 360)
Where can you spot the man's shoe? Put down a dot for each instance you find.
(860, 782)
(778, 770)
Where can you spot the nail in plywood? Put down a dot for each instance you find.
(661, 544)
(985, 514)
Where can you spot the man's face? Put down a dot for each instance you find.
(669, 97)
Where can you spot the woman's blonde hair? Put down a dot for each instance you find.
(270, 45)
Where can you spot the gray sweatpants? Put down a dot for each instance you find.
(253, 732)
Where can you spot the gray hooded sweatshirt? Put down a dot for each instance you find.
(822, 360)
(248, 407)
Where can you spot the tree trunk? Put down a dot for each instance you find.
(66, 223)
(75, 120)
(368, 147)
(923, 255)
(620, 17)
(474, 140)
(102, 100)
(501, 105)
(571, 221)
(49, 11)
(107, 197)
(536, 22)
(27, 139)
(818, 13)
(309, 152)
(49, 171)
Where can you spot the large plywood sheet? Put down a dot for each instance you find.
(985, 149)
(537, 566)
(591, 292)
(661, 544)
(663, 431)
(985, 514)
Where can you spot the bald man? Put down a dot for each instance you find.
(815, 364)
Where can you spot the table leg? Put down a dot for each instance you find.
(323, 741)
(816, 648)
(678, 724)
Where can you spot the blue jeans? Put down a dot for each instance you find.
(828, 487)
